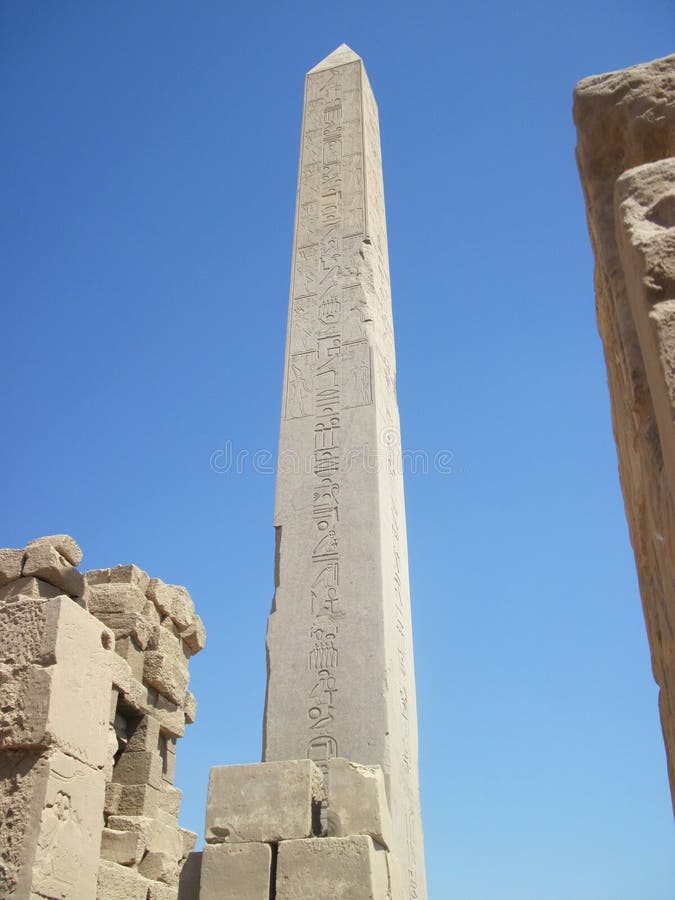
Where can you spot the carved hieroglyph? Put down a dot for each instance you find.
(626, 155)
(341, 679)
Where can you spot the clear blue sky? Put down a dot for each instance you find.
(148, 166)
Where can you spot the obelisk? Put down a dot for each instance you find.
(339, 641)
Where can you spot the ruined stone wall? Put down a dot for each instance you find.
(626, 157)
(94, 684)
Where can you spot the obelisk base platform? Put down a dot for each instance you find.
(265, 838)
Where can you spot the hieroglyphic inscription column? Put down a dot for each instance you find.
(341, 675)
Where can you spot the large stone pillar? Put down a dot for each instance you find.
(626, 156)
(340, 656)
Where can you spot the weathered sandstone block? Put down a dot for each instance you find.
(236, 872)
(263, 802)
(10, 565)
(143, 767)
(357, 801)
(166, 676)
(159, 866)
(57, 663)
(194, 635)
(348, 868)
(42, 560)
(155, 835)
(125, 610)
(50, 827)
(64, 545)
(131, 799)
(27, 587)
(172, 600)
(159, 891)
(165, 640)
(123, 847)
(117, 882)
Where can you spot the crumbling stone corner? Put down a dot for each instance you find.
(94, 683)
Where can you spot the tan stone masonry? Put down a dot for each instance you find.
(626, 156)
(94, 684)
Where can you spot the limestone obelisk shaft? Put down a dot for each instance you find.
(341, 678)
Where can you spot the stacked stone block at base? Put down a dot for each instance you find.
(263, 802)
(236, 872)
(265, 838)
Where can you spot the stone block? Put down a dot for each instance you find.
(66, 546)
(143, 767)
(50, 825)
(348, 868)
(107, 599)
(171, 716)
(156, 835)
(129, 575)
(159, 866)
(357, 801)
(117, 882)
(132, 625)
(273, 801)
(127, 649)
(144, 735)
(190, 875)
(159, 891)
(190, 707)
(123, 847)
(168, 801)
(135, 693)
(97, 576)
(23, 588)
(125, 610)
(172, 600)
(44, 561)
(237, 872)
(60, 661)
(194, 636)
(131, 799)
(10, 565)
(165, 640)
(189, 839)
(167, 676)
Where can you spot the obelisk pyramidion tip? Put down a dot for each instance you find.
(339, 57)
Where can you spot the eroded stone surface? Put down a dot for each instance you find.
(357, 802)
(45, 561)
(50, 828)
(10, 565)
(348, 868)
(626, 140)
(236, 872)
(56, 672)
(263, 802)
